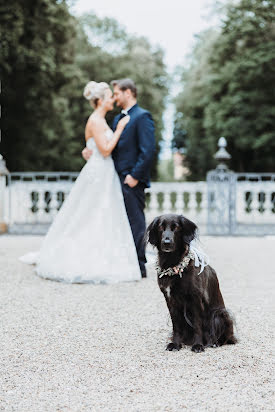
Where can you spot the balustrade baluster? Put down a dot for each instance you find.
(202, 212)
(186, 198)
(27, 210)
(41, 205)
(154, 204)
(54, 203)
(179, 205)
(268, 215)
(166, 205)
(241, 202)
(255, 204)
(66, 194)
(202, 216)
(192, 204)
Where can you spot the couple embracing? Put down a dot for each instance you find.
(97, 236)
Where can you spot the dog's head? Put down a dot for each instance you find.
(171, 232)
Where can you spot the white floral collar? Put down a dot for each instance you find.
(195, 253)
(178, 269)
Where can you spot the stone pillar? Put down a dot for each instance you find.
(221, 188)
(3, 173)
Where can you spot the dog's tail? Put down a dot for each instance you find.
(222, 327)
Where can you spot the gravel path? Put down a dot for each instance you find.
(102, 348)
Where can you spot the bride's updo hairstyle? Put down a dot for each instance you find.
(94, 91)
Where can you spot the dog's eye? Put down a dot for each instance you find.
(174, 226)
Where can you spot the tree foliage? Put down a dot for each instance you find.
(38, 71)
(47, 57)
(228, 91)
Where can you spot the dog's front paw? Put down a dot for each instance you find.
(214, 345)
(173, 346)
(197, 348)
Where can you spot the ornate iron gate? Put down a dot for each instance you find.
(240, 204)
(221, 194)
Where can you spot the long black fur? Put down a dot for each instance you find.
(195, 302)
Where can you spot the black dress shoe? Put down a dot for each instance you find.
(143, 275)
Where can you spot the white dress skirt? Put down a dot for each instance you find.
(90, 239)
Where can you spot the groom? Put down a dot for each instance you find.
(133, 158)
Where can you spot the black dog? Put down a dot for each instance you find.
(194, 300)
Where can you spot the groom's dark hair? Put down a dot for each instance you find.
(125, 84)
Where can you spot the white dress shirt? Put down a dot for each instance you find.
(125, 111)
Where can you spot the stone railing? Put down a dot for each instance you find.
(188, 198)
(32, 200)
(35, 198)
(255, 202)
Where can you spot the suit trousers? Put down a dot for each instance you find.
(134, 199)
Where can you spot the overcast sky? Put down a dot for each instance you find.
(172, 24)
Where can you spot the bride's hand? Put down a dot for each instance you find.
(122, 123)
(86, 153)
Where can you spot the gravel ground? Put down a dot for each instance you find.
(102, 348)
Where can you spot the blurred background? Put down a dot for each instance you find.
(204, 69)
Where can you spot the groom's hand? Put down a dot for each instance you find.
(86, 153)
(130, 181)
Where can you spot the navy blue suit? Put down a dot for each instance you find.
(133, 155)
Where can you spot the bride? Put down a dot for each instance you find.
(90, 239)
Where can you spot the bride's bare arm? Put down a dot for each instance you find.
(97, 129)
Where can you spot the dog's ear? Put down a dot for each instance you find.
(189, 230)
(152, 234)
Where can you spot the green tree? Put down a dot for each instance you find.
(38, 80)
(179, 132)
(47, 58)
(233, 94)
(189, 131)
(241, 98)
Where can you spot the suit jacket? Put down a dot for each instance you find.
(135, 150)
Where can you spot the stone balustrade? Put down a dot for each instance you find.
(188, 198)
(255, 202)
(33, 199)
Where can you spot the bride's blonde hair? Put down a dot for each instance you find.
(94, 91)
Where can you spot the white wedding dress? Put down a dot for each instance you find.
(90, 239)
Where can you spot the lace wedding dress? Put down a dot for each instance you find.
(90, 240)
